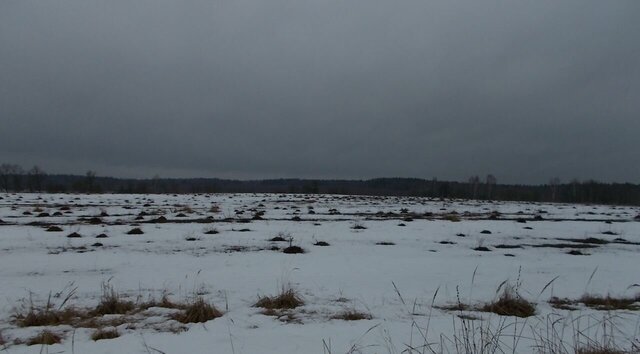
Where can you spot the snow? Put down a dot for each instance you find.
(395, 283)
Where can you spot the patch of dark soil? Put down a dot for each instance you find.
(564, 245)
(507, 246)
(588, 240)
(482, 249)
(577, 253)
(158, 220)
(293, 250)
(135, 231)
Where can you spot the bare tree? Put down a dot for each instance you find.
(89, 180)
(490, 181)
(35, 179)
(474, 181)
(7, 173)
(553, 184)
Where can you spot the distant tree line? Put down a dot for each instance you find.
(14, 178)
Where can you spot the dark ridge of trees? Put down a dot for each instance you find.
(14, 179)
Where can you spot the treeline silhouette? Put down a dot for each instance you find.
(36, 180)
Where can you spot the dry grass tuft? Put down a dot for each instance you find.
(599, 350)
(105, 334)
(45, 337)
(48, 316)
(510, 304)
(610, 303)
(197, 311)
(562, 304)
(111, 303)
(287, 299)
(352, 315)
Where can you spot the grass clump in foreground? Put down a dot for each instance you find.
(287, 299)
(49, 314)
(510, 303)
(47, 317)
(105, 334)
(45, 338)
(197, 311)
(111, 303)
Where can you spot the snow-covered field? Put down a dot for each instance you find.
(387, 258)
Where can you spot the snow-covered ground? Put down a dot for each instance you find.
(428, 250)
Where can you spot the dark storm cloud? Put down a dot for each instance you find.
(525, 90)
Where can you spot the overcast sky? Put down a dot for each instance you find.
(525, 90)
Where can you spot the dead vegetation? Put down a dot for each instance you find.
(597, 302)
(286, 299)
(352, 315)
(510, 305)
(197, 311)
(101, 333)
(45, 337)
(111, 303)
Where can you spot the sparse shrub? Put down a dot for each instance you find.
(105, 334)
(45, 337)
(287, 299)
(197, 311)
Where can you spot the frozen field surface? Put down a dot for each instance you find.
(418, 271)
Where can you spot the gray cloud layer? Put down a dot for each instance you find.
(526, 90)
